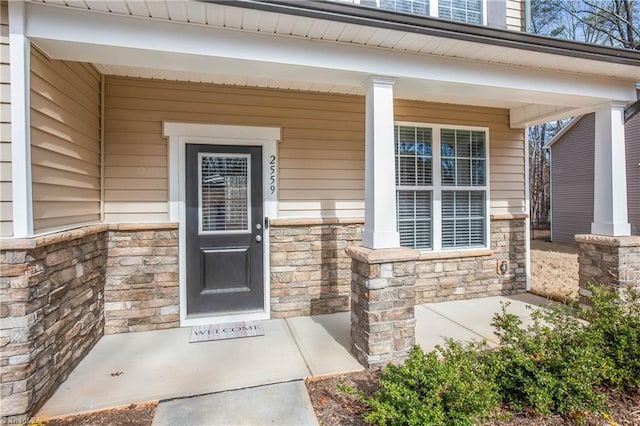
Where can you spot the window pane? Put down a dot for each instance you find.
(223, 192)
(461, 10)
(414, 156)
(462, 157)
(415, 7)
(414, 219)
(463, 219)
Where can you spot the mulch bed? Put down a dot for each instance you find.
(334, 407)
(133, 415)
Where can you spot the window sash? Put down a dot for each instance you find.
(469, 11)
(446, 233)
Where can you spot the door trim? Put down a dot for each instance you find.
(179, 135)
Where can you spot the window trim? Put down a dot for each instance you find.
(436, 186)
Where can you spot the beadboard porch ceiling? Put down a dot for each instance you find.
(278, 50)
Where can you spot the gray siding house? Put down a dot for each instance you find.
(572, 161)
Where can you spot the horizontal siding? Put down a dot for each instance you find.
(571, 186)
(321, 154)
(6, 197)
(632, 132)
(515, 15)
(65, 142)
(506, 146)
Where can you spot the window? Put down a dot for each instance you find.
(452, 195)
(470, 11)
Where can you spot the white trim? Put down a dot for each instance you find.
(102, 145)
(179, 135)
(20, 69)
(527, 208)
(436, 187)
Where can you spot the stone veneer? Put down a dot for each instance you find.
(608, 261)
(56, 291)
(141, 290)
(467, 274)
(383, 298)
(51, 313)
(310, 271)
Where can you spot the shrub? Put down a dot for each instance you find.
(615, 327)
(549, 366)
(454, 390)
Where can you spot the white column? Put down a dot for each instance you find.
(380, 230)
(19, 55)
(610, 174)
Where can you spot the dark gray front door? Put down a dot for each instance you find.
(224, 230)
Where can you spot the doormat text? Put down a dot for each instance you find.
(204, 333)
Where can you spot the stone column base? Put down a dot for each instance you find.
(608, 261)
(383, 298)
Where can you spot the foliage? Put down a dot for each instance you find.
(554, 364)
(615, 328)
(426, 390)
(549, 366)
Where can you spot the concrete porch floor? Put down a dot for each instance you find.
(159, 365)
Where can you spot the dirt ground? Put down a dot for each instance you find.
(133, 415)
(334, 407)
(554, 269)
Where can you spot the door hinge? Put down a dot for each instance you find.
(266, 223)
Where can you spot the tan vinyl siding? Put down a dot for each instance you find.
(572, 160)
(632, 132)
(65, 142)
(321, 155)
(515, 15)
(506, 146)
(6, 206)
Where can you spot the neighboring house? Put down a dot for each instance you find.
(572, 160)
(170, 163)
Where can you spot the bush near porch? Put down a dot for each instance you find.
(558, 365)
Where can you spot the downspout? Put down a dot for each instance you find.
(527, 205)
(102, 86)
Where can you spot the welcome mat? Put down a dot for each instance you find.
(234, 330)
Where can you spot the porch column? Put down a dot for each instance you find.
(610, 176)
(380, 230)
(19, 58)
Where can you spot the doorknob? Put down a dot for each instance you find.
(258, 238)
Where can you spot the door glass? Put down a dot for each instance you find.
(224, 192)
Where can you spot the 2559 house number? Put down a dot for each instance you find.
(272, 174)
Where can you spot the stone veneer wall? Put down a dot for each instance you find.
(51, 313)
(458, 275)
(608, 261)
(59, 293)
(310, 271)
(141, 290)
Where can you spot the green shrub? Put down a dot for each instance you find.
(454, 390)
(550, 366)
(615, 327)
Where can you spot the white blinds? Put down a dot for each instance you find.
(463, 219)
(224, 192)
(469, 11)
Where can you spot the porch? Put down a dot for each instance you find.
(158, 365)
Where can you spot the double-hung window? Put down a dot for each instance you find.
(470, 11)
(441, 187)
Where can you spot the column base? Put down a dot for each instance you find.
(609, 261)
(383, 298)
(611, 229)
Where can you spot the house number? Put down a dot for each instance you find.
(272, 174)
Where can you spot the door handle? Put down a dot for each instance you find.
(258, 238)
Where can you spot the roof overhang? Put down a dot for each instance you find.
(225, 44)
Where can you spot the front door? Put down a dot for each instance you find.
(224, 230)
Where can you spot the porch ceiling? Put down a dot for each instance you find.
(231, 45)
